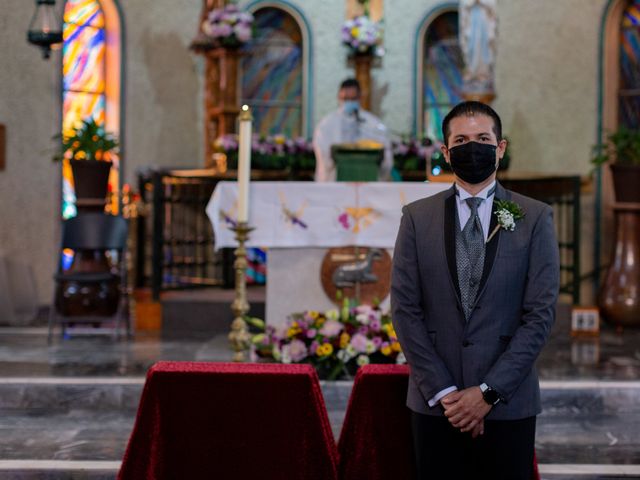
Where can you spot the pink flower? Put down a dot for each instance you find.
(377, 342)
(359, 343)
(297, 350)
(311, 333)
(363, 330)
(331, 328)
(243, 32)
(375, 325)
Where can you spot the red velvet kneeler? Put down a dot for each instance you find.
(220, 420)
(376, 440)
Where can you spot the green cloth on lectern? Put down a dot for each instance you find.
(357, 164)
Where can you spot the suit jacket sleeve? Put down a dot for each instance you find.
(407, 315)
(538, 310)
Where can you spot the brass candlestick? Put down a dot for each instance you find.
(239, 336)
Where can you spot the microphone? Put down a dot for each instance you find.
(359, 119)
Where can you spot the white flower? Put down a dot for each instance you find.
(286, 354)
(401, 359)
(362, 318)
(506, 220)
(343, 355)
(362, 360)
(370, 347)
(351, 351)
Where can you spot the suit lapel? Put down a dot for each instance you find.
(492, 246)
(450, 238)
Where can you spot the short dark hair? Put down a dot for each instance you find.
(350, 83)
(468, 109)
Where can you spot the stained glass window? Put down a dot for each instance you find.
(272, 74)
(629, 94)
(83, 81)
(442, 66)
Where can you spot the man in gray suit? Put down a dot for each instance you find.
(473, 299)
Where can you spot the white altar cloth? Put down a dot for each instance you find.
(306, 214)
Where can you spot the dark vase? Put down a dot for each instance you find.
(91, 179)
(620, 293)
(626, 179)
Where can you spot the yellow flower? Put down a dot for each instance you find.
(386, 351)
(344, 340)
(324, 350)
(395, 346)
(280, 140)
(293, 331)
(328, 349)
(386, 327)
(354, 32)
(319, 322)
(313, 314)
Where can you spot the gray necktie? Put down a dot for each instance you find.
(473, 263)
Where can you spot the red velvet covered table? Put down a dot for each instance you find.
(376, 441)
(217, 420)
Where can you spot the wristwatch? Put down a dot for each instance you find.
(489, 394)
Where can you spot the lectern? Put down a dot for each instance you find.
(355, 163)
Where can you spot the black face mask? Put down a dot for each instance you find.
(473, 162)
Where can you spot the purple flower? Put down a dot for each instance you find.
(377, 342)
(375, 325)
(311, 333)
(313, 347)
(363, 329)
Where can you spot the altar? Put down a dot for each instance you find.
(298, 221)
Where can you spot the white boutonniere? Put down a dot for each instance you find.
(508, 214)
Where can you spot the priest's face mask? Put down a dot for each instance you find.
(472, 149)
(349, 100)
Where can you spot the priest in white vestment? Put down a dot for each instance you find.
(349, 124)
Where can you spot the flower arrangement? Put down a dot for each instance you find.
(228, 26)
(88, 141)
(363, 36)
(270, 152)
(412, 153)
(335, 342)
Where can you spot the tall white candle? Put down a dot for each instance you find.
(244, 163)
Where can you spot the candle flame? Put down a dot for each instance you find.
(245, 108)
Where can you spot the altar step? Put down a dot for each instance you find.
(72, 428)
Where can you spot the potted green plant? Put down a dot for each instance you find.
(622, 151)
(90, 150)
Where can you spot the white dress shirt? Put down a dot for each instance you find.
(464, 213)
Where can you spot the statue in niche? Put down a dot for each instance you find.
(478, 38)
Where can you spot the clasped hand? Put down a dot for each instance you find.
(466, 410)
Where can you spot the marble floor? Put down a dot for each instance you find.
(67, 409)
